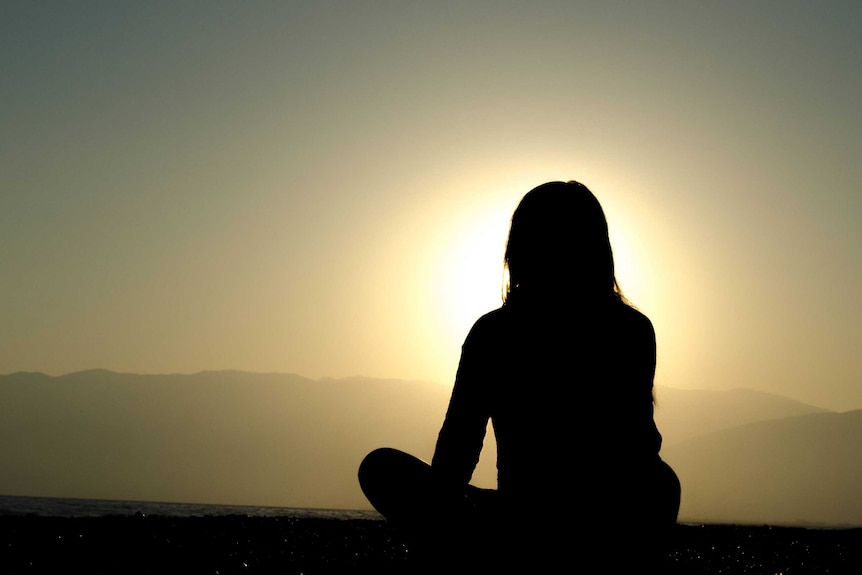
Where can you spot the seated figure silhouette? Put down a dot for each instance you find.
(564, 371)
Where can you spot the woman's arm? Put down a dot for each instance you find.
(460, 440)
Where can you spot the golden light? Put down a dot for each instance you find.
(627, 267)
(471, 264)
(457, 266)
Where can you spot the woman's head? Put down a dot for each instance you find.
(558, 246)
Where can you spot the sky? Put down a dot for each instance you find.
(324, 188)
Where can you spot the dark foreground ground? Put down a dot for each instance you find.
(314, 546)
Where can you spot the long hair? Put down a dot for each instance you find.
(559, 247)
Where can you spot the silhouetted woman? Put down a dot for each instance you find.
(564, 371)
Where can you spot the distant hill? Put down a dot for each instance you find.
(797, 470)
(682, 414)
(286, 440)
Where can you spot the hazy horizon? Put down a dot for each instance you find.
(324, 188)
(360, 377)
(284, 440)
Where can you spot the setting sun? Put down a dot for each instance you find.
(459, 261)
(472, 268)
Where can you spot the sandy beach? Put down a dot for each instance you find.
(314, 546)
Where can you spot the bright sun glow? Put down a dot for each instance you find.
(626, 267)
(472, 280)
(463, 277)
(471, 259)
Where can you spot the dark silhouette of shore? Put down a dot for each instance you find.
(316, 546)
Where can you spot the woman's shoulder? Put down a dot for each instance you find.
(501, 319)
(492, 320)
(633, 314)
(494, 324)
(635, 323)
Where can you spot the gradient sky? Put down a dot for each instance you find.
(324, 188)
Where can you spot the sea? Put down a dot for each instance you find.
(14, 505)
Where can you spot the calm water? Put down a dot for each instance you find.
(62, 507)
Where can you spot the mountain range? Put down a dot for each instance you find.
(231, 437)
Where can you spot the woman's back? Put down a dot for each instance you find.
(562, 387)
